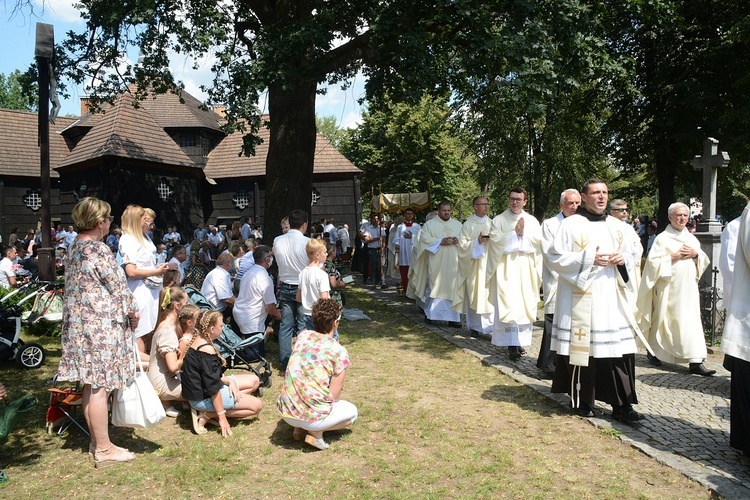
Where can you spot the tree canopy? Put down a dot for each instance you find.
(405, 148)
(18, 91)
(544, 92)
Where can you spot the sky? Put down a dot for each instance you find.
(18, 37)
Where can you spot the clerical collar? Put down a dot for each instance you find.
(408, 224)
(591, 217)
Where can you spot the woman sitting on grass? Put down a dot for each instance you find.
(211, 395)
(164, 357)
(310, 399)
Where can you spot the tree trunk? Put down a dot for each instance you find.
(666, 168)
(291, 152)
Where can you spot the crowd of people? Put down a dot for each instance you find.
(604, 297)
(610, 285)
(130, 307)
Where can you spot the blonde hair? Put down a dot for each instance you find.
(314, 246)
(89, 212)
(131, 222)
(148, 212)
(206, 320)
(189, 312)
(167, 298)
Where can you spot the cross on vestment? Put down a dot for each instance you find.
(580, 333)
(709, 162)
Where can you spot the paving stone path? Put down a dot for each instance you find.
(687, 424)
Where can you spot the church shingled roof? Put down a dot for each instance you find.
(224, 162)
(19, 147)
(127, 132)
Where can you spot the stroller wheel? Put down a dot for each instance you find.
(268, 381)
(260, 391)
(31, 356)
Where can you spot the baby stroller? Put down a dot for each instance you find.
(29, 355)
(238, 353)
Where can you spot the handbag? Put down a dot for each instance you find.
(137, 405)
(154, 282)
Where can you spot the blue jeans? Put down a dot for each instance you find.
(292, 321)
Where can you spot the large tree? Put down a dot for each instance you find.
(690, 63)
(536, 109)
(278, 52)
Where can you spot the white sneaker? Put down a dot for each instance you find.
(172, 412)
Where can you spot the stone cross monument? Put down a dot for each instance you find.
(710, 162)
(709, 228)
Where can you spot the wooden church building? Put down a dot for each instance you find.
(169, 154)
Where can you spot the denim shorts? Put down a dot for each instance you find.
(227, 400)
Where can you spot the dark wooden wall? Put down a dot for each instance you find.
(13, 210)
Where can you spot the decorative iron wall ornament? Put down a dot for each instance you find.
(242, 199)
(165, 190)
(33, 199)
(316, 196)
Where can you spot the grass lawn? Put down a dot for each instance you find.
(433, 423)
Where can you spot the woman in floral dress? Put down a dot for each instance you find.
(310, 400)
(99, 316)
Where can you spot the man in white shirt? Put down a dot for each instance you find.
(256, 300)
(217, 287)
(172, 238)
(200, 232)
(179, 256)
(69, 237)
(291, 258)
(330, 228)
(7, 275)
(404, 241)
(215, 240)
(246, 231)
(374, 238)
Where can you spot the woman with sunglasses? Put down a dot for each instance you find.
(138, 255)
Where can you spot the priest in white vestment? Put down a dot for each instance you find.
(570, 200)
(619, 209)
(726, 257)
(436, 267)
(472, 295)
(514, 274)
(404, 242)
(594, 328)
(735, 342)
(669, 310)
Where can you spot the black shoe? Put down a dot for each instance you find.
(475, 334)
(653, 360)
(427, 320)
(455, 324)
(585, 411)
(383, 287)
(626, 414)
(700, 369)
(521, 350)
(514, 353)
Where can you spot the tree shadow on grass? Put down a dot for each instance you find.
(524, 398)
